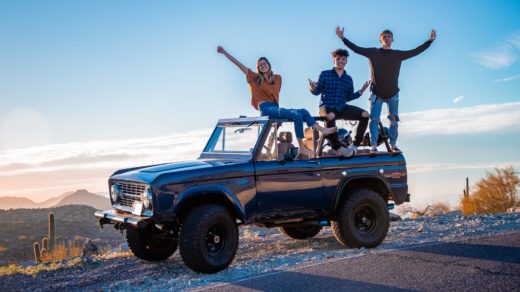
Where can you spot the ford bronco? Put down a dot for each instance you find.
(249, 174)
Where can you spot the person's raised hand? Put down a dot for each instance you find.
(340, 32)
(433, 35)
(220, 50)
(365, 86)
(312, 84)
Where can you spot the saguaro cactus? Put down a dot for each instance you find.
(37, 255)
(45, 243)
(48, 243)
(52, 233)
(466, 190)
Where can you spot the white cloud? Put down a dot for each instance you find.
(432, 167)
(38, 171)
(111, 154)
(504, 54)
(506, 79)
(470, 120)
(458, 99)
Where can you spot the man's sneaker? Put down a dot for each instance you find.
(345, 151)
(373, 149)
(395, 148)
(354, 148)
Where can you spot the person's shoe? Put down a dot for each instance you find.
(346, 151)
(395, 148)
(373, 149)
(354, 148)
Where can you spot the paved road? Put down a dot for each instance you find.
(487, 263)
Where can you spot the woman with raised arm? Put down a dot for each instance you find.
(265, 90)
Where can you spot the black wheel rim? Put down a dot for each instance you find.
(365, 219)
(216, 239)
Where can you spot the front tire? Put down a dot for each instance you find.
(362, 219)
(208, 239)
(146, 243)
(300, 231)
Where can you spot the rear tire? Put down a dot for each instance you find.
(146, 244)
(362, 219)
(300, 231)
(208, 239)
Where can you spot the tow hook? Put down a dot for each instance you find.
(120, 226)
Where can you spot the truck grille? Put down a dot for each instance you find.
(129, 193)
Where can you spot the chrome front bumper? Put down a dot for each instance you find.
(111, 216)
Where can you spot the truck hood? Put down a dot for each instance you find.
(185, 171)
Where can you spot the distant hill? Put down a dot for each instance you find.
(16, 202)
(20, 228)
(79, 197)
(53, 201)
(83, 197)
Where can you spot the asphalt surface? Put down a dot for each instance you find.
(489, 263)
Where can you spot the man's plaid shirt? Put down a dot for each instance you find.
(335, 91)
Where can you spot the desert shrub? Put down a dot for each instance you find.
(496, 192)
(63, 251)
(431, 210)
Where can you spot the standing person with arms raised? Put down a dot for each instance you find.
(385, 65)
(265, 91)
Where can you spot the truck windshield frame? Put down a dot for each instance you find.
(235, 139)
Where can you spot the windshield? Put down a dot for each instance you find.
(234, 138)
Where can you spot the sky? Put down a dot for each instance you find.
(88, 87)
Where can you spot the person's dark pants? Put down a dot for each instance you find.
(351, 113)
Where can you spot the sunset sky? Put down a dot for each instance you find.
(87, 87)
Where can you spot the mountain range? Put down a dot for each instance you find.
(79, 197)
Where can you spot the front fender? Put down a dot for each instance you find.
(208, 193)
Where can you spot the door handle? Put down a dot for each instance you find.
(313, 161)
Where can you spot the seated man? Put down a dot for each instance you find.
(336, 89)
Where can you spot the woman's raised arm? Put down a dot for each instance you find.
(232, 59)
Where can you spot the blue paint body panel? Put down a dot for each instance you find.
(266, 191)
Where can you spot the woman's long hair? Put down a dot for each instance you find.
(259, 79)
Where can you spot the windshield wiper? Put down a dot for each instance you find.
(241, 130)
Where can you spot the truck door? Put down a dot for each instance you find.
(286, 188)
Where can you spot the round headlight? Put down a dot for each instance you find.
(114, 192)
(146, 196)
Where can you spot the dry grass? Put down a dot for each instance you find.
(63, 251)
(14, 269)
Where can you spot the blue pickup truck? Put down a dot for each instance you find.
(249, 174)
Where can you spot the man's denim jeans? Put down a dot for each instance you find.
(376, 105)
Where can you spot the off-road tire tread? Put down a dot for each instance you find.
(191, 236)
(340, 227)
